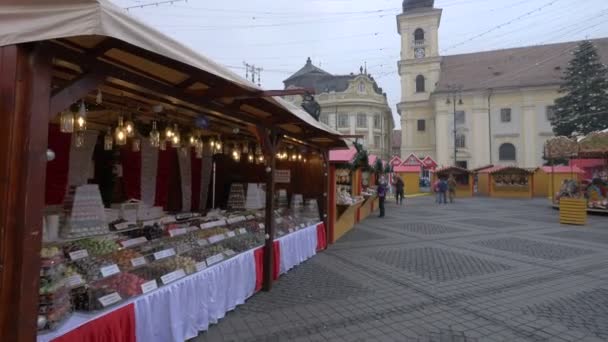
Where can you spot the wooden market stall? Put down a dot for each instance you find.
(344, 186)
(128, 83)
(463, 177)
(410, 174)
(506, 182)
(549, 179)
(369, 182)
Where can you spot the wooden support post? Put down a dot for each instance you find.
(326, 193)
(25, 91)
(269, 139)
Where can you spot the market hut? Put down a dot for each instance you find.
(410, 176)
(507, 182)
(136, 93)
(463, 177)
(548, 179)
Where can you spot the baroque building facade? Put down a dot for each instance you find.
(475, 109)
(353, 104)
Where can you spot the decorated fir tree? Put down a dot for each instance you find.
(583, 108)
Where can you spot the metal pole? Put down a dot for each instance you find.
(490, 124)
(213, 188)
(455, 149)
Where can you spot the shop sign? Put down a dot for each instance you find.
(110, 299)
(282, 176)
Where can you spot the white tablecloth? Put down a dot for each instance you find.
(179, 311)
(298, 247)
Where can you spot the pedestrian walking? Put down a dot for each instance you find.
(443, 189)
(451, 188)
(382, 187)
(399, 189)
(436, 190)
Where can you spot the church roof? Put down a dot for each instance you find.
(311, 76)
(509, 68)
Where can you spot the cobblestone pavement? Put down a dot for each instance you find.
(477, 270)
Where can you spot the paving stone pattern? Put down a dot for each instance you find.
(534, 249)
(477, 270)
(438, 264)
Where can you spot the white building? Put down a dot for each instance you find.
(352, 104)
(507, 95)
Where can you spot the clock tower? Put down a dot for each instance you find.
(419, 68)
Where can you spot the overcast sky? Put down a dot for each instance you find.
(341, 35)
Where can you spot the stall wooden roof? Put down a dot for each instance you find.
(97, 45)
(562, 169)
(407, 169)
(341, 156)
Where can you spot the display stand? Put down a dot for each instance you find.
(464, 179)
(573, 211)
(367, 207)
(506, 182)
(346, 219)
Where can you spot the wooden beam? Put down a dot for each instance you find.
(326, 192)
(25, 83)
(74, 91)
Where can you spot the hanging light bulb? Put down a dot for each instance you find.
(212, 144)
(66, 121)
(99, 97)
(120, 133)
(81, 120)
(250, 158)
(136, 145)
(218, 145)
(246, 148)
(168, 132)
(258, 150)
(130, 128)
(79, 139)
(108, 141)
(162, 145)
(294, 157)
(192, 140)
(175, 141)
(299, 157)
(198, 149)
(154, 136)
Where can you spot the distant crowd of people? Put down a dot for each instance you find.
(444, 189)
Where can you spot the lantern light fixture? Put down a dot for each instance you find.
(154, 136)
(66, 121)
(108, 141)
(121, 134)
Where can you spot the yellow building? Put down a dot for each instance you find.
(500, 102)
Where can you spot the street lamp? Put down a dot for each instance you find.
(454, 93)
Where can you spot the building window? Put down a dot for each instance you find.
(461, 141)
(377, 141)
(420, 84)
(460, 117)
(362, 87)
(343, 120)
(421, 125)
(550, 113)
(362, 120)
(419, 36)
(505, 115)
(377, 121)
(507, 152)
(324, 118)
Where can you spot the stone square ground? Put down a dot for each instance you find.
(477, 270)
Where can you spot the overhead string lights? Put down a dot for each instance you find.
(175, 137)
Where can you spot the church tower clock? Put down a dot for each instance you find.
(419, 68)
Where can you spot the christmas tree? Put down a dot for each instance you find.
(584, 106)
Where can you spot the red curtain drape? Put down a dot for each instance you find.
(258, 256)
(57, 169)
(196, 170)
(321, 237)
(131, 172)
(116, 326)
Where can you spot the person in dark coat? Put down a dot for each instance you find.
(399, 189)
(382, 195)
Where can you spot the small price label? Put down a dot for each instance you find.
(242, 231)
(261, 226)
(302, 225)
(134, 242)
(173, 276)
(150, 223)
(167, 219)
(216, 238)
(164, 254)
(124, 225)
(229, 253)
(149, 286)
(236, 219)
(201, 266)
(110, 299)
(75, 280)
(230, 234)
(79, 254)
(291, 230)
(191, 229)
(202, 242)
(215, 259)
(109, 270)
(138, 261)
(213, 224)
(250, 217)
(177, 232)
(279, 220)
